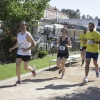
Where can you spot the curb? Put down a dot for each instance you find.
(27, 74)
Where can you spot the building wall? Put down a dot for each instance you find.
(83, 22)
(54, 13)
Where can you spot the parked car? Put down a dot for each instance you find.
(42, 43)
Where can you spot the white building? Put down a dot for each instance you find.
(54, 13)
(83, 22)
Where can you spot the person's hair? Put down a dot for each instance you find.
(64, 29)
(92, 24)
(24, 21)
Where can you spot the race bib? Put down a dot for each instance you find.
(90, 42)
(62, 48)
(20, 46)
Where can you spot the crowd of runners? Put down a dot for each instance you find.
(89, 48)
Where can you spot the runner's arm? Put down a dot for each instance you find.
(14, 47)
(31, 40)
(98, 42)
(69, 45)
(58, 42)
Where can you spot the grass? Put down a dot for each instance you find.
(9, 70)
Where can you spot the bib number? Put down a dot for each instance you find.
(62, 48)
(20, 46)
(90, 42)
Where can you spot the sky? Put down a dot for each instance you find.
(86, 7)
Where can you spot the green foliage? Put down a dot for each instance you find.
(72, 13)
(16, 10)
(96, 17)
(76, 14)
(9, 70)
(83, 17)
(42, 54)
(7, 42)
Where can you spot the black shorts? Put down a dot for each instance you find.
(82, 48)
(25, 58)
(65, 55)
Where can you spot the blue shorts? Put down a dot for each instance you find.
(92, 55)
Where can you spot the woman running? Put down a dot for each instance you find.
(63, 44)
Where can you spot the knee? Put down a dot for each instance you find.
(63, 64)
(58, 64)
(87, 63)
(95, 64)
(17, 68)
(26, 67)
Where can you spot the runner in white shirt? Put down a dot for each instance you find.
(25, 43)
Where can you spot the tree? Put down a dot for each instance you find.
(96, 17)
(78, 13)
(83, 17)
(90, 17)
(12, 12)
(17, 10)
(72, 13)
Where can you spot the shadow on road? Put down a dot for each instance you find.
(39, 80)
(91, 93)
(7, 86)
(58, 87)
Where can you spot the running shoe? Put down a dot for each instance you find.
(18, 82)
(85, 80)
(62, 77)
(59, 71)
(33, 72)
(97, 74)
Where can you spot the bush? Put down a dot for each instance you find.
(42, 54)
(7, 42)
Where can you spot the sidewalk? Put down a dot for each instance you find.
(47, 85)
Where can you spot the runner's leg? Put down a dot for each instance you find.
(27, 67)
(63, 65)
(59, 63)
(87, 66)
(18, 63)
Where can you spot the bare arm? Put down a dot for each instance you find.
(14, 47)
(69, 45)
(58, 42)
(31, 40)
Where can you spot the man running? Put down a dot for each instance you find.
(92, 50)
(24, 43)
(64, 43)
(82, 39)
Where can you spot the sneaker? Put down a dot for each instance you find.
(33, 71)
(60, 71)
(18, 82)
(97, 74)
(85, 80)
(62, 77)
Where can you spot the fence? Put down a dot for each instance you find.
(72, 33)
(33, 28)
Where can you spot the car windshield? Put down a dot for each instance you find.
(36, 38)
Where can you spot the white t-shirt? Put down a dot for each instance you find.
(23, 44)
